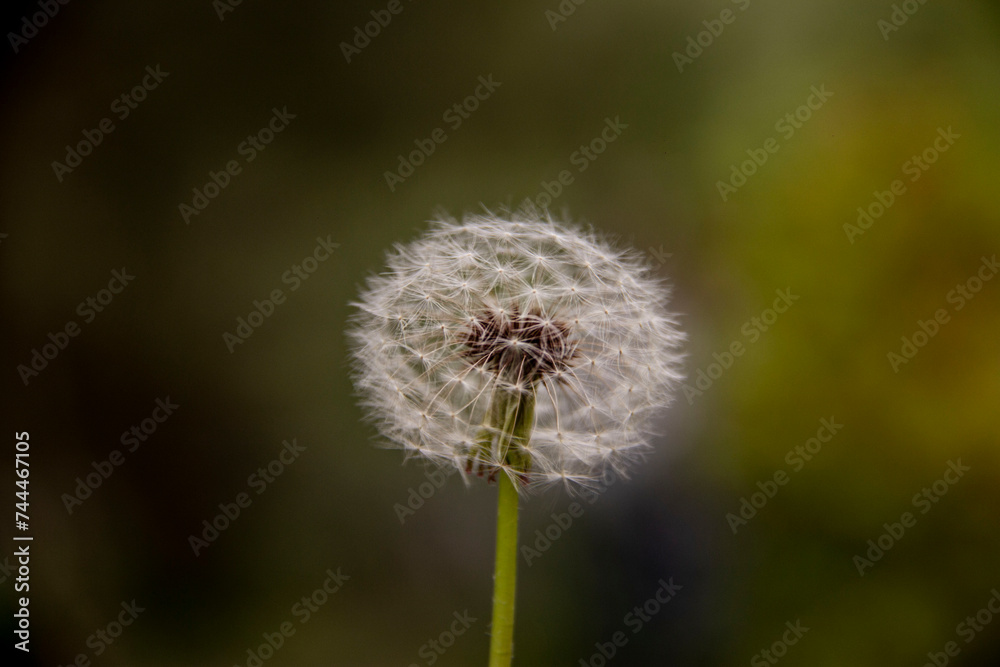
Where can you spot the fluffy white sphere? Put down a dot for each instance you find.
(495, 309)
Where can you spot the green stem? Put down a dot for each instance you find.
(505, 576)
(514, 414)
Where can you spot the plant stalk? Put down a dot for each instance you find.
(505, 575)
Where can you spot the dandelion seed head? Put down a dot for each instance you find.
(511, 304)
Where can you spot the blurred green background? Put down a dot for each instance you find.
(655, 187)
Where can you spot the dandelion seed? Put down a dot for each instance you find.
(516, 344)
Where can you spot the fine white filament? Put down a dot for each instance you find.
(595, 396)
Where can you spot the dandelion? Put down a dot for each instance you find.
(520, 349)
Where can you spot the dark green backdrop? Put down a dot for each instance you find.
(740, 140)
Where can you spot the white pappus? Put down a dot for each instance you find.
(511, 342)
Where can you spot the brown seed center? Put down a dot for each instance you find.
(519, 346)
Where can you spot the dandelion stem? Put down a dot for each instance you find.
(516, 412)
(505, 576)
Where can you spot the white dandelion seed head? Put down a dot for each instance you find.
(499, 307)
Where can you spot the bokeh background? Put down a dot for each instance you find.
(655, 187)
